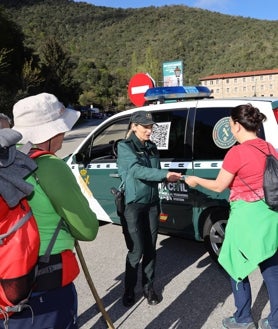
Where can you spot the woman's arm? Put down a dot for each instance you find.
(219, 184)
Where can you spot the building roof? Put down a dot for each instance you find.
(239, 74)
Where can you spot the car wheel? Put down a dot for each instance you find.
(213, 233)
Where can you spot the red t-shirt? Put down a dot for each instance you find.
(247, 162)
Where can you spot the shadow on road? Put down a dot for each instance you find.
(196, 299)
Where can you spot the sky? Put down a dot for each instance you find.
(260, 9)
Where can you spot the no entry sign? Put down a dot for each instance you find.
(137, 87)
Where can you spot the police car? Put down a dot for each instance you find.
(193, 135)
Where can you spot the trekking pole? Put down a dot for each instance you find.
(92, 286)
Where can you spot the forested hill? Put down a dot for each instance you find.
(126, 41)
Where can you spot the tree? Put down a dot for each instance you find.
(57, 72)
(11, 62)
(152, 64)
(31, 77)
(4, 65)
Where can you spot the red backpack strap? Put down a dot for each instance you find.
(35, 153)
(29, 149)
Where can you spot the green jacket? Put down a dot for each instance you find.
(57, 194)
(251, 236)
(139, 169)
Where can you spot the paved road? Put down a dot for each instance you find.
(76, 135)
(196, 292)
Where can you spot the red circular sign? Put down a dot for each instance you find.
(137, 87)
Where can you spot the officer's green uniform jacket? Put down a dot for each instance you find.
(139, 169)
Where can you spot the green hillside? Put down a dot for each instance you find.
(122, 42)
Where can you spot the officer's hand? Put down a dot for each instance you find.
(173, 176)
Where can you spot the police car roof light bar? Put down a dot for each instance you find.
(178, 93)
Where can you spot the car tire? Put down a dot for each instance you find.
(214, 231)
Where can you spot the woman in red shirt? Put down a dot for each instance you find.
(251, 236)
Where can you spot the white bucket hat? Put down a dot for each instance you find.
(41, 117)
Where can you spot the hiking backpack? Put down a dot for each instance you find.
(19, 252)
(270, 183)
(270, 180)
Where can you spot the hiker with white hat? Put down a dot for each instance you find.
(43, 121)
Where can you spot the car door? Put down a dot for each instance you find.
(95, 167)
(212, 139)
(173, 139)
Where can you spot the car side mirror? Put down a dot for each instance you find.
(80, 157)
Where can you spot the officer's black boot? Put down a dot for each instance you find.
(150, 294)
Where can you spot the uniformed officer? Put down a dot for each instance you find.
(139, 168)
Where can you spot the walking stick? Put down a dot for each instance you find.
(92, 286)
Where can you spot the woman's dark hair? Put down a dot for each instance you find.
(248, 116)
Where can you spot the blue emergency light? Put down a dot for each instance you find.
(176, 93)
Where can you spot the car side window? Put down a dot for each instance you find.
(204, 145)
(116, 130)
(169, 136)
(102, 146)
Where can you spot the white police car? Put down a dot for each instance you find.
(193, 135)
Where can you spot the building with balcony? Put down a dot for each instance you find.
(243, 84)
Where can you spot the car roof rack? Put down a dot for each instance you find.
(175, 94)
